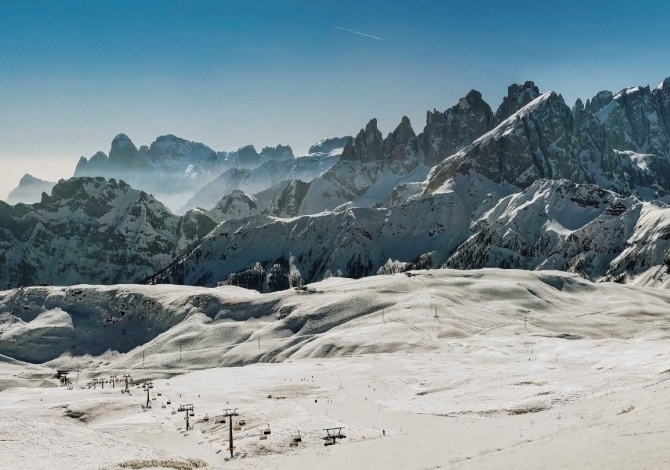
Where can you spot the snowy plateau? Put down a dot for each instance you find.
(491, 292)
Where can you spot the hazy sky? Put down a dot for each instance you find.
(73, 74)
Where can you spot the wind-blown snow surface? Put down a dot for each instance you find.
(221, 326)
(464, 369)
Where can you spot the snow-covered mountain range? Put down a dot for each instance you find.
(536, 184)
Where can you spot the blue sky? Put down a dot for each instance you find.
(73, 74)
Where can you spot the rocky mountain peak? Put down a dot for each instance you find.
(448, 132)
(517, 97)
(663, 92)
(28, 179)
(248, 156)
(404, 132)
(171, 147)
(368, 145)
(99, 157)
(280, 152)
(598, 102)
(328, 145)
(124, 154)
(29, 190)
(394, 145)
(236, 205)
(473, 100)
(121, 140)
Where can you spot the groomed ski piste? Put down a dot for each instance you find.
(432, 369)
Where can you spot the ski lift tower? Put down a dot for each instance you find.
(332, 434)
(112, 379)
(128, 379)
(229, 413)
(148, 386)
(188, 409)
(62, 377)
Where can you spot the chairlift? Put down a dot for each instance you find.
(332, 434)
(241, 422)
(206, 418)
(191, 414)
(297, 438)
(267, 431)
(169, 401)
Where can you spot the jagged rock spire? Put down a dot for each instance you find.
(517, 97)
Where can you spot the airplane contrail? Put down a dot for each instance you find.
(345, 29)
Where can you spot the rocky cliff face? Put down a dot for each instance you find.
(448, 132)
(517, 97)
(92, 230)
(617, 141)
(370, 167)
